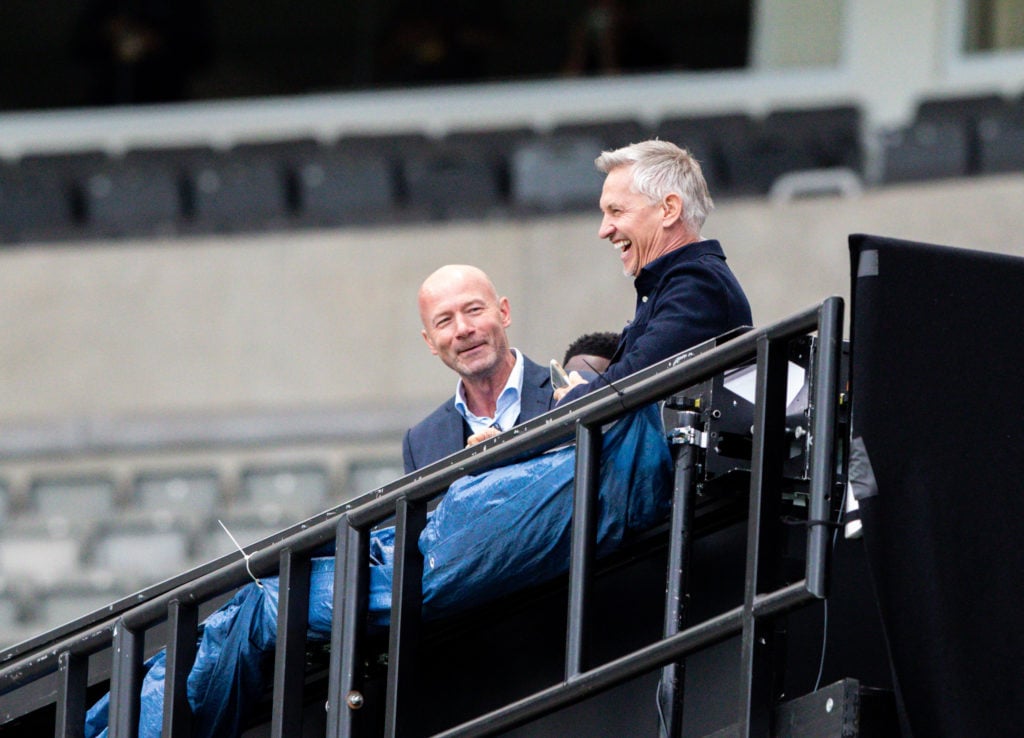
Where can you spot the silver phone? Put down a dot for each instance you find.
(559, 378)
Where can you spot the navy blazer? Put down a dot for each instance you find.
(683, 298)
(443, 432)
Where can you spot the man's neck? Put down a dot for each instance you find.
(683, 239)
(481, 393)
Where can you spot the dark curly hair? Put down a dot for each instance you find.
(596, 344)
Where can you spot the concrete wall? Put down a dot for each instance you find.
(288, 321)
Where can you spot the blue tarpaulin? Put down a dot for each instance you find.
(493, 533)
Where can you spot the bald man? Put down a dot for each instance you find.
(464, 325)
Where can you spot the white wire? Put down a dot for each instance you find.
(241, 551)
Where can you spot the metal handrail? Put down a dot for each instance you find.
(123, 627)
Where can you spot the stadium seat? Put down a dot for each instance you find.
(960, 107)
(37, 204)
(293, 492)
(707, 138)
(1001, 142)
(36, 553)
(492, 145)
(65, 602)
(752, 167)
(365, 475)
(335, 188)
(75, 500)
(138, 553)
(236, 191)
(11, 610)
(133, 199)
(394, 146)
(830, 136)
(446, 184)
(789, 141)
(178, 495)
(967, 111)
(928, 150)
(556, 175)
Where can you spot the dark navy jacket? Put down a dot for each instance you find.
(444, 432)
(682, 299)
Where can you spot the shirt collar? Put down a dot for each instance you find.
(652, 273)
(509, 401)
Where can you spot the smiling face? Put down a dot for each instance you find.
(640, 230)
(464, 322)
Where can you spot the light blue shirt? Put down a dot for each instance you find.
(507, 408)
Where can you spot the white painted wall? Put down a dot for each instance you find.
(796, 33)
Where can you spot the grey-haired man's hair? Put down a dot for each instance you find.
(661, 168)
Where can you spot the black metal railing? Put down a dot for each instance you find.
(173, 608)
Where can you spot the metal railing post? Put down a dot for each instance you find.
(687, 440)
(823, 441)
(182, 628)
(72, 676)
(584, 531)
(125, 682)
(769, 448)
(401, 703)
(348, 621)
(290, 652)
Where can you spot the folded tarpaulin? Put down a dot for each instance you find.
(492, 534)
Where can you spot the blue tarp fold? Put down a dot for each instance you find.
(493, 533)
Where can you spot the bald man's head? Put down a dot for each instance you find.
(464, 321)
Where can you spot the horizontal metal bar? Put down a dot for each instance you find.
(607, 676)
(40, 664)
(781, 600)
(629, 666)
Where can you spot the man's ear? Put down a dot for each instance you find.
(671, 209)
(505, 310)
(433, 349)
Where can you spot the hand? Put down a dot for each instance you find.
(574, 380)
(481, 436)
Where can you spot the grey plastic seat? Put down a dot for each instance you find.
(75, 500)
(707, 137)
(972, 107)
(137, 553)
(65, 602)
(923, 151)
(1001, 142)
(556, 175)
(133, 199)
(186, 494)
(968, 112)
(36, 206)
(365, 475)
(448, 184)
(831, 136)
(234, 192)
(295, 491)
(36, 553)
(336, 188)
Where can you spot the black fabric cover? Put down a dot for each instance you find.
(938, 356)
